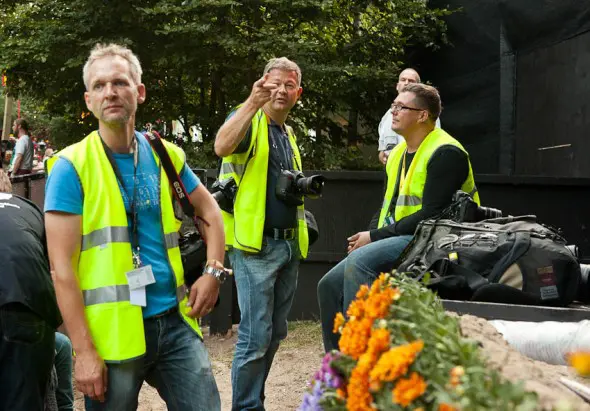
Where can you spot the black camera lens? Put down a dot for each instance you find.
(311, 186)
(485, 213)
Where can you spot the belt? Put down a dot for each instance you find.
(164, 313)
(281, 233)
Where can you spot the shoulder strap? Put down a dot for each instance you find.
(179, 189)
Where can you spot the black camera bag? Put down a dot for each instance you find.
(512, 260)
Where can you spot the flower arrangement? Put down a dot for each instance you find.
(400, 350)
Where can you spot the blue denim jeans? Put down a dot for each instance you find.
(26, 358)
(337, 289)
(176, 364)
(266, 284)
(64, 394)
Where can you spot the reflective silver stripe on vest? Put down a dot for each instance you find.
(181, 292)
(472, 192)
(234, 168)
(300, 214)
(117, 294)
(171, 240)
(108, 294)
(105, 236)
(408, 201)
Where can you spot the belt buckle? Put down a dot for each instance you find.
(289, 233)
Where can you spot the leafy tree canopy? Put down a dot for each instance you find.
(201, 57)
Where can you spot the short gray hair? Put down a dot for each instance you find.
(106, 50)
(283, 63)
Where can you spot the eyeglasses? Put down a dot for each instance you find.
(398, 107)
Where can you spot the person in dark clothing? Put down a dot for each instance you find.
(423, 173)
(28, 308)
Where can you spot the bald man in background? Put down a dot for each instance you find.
(387, 137)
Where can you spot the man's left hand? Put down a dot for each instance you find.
(358, 240)
(203, 296)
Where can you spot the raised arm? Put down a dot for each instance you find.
(232, 132)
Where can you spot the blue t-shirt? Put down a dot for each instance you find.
(63, 192)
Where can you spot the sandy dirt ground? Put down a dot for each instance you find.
(301, 353)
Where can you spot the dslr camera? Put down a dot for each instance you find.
(292, 185)
(224, 192)
(464, 210)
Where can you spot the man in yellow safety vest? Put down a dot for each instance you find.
(423, 173)
(266, 234)
(112, 236)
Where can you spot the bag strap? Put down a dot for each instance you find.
(445, 267)
(178, 187)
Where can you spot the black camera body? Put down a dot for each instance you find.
(224, 192)
(464, 210)
(292, 185)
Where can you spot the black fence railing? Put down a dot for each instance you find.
(30, 186)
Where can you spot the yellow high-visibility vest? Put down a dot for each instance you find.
(409, 199)
(115, 324)
(244, 228)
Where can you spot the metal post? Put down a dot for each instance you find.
(6, 124)
(507, 104)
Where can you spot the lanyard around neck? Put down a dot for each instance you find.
(402, 176)
(132, 216)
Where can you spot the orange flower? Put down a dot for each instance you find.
(359, 389)
(340, 393)
(446, 407)
(338, 322)
(354, 337)
(457, 371)
(363, 291)
(395, 362)
(356, 309)
(408, 389)
(580, 361)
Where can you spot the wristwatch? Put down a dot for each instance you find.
(219, 273)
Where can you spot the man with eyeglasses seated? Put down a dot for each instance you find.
(388, 138)
(423, 173)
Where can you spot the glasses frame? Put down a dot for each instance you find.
(398, 107)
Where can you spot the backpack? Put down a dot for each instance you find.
(512, 260)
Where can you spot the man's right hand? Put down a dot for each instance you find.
(261, 92)
(383, 155)
(90, 373)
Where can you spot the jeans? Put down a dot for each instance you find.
(26, 358)
(266, 284)
(64, 393)
(176, 364)
(338, 288)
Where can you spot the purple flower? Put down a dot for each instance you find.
(311, 400)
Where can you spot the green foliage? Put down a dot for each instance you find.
(201, 57)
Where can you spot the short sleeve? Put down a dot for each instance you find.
(19, 148)
(63, 190)
(189, 179)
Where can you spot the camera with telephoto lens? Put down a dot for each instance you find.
(464, 210)
(224, 192)
(292, 185)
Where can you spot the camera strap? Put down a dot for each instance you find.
(177, 187)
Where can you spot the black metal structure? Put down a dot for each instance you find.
(514, 84)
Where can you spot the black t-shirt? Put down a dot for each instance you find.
(446, 172)
(24, 266)
(278, 214)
